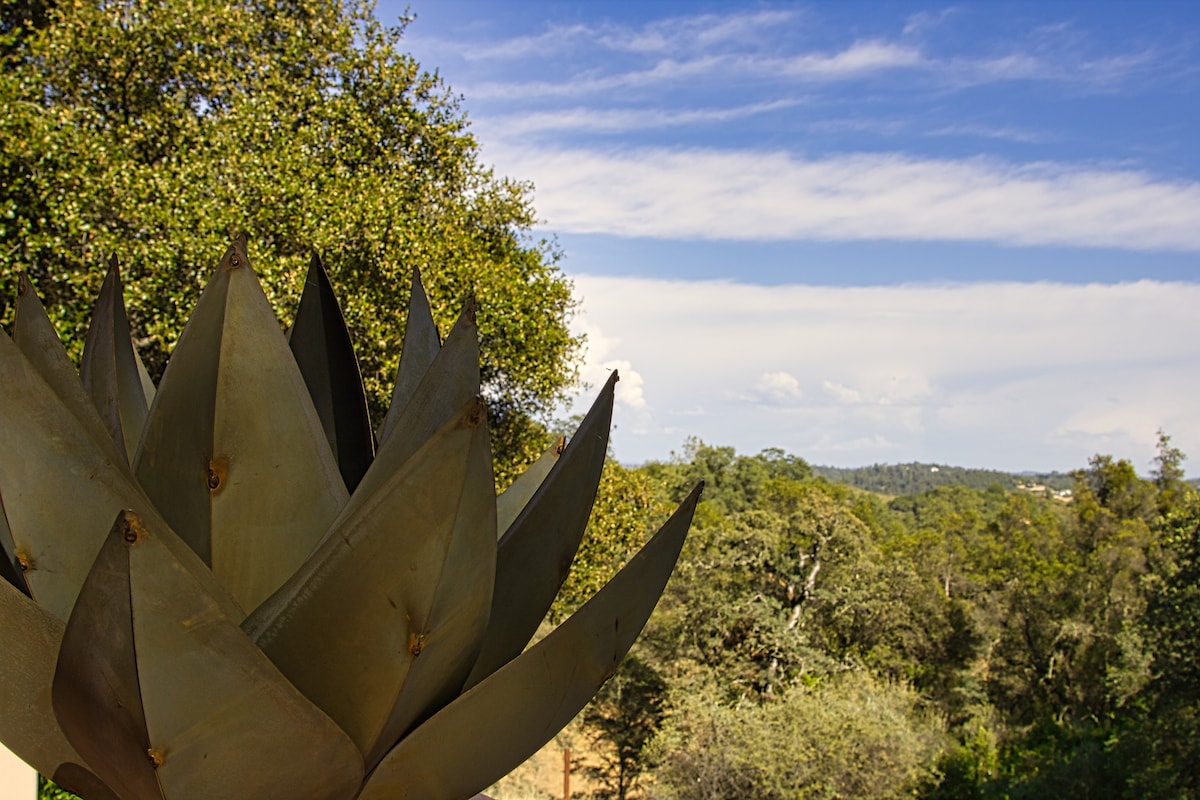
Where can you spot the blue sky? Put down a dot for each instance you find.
(863, 232)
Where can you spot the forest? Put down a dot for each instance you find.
(822, 641)
(871, 635)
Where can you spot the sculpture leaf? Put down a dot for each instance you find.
(513, 712)
(535, 553)
(111, 370)
(234, 454)
(385, 617)
(321, 344)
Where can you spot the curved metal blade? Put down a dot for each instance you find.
(385, 618)
(10, 566)
(222, 718)
(321, 344)
(60, 479)
(31, 638)
(535, 553)
(81, 782)
(233, 453)
(421, 345)
(517, 709)
(513, 499)
(95, 690)
(35, 337)
(109, 367)
(451, 382)
(195, 701)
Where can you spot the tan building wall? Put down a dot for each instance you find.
(18, 781)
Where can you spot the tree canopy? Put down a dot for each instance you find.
(157, 129)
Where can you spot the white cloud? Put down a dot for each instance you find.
(775, 389)
(1007, 375)
(620, 120)
(704, 31)
(859, 58)
(714, 194)
(843, 394)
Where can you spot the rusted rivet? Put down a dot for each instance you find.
(216, 472)
(477, 415)
(23, 562)
(131, 527)
(560, 445)
(416, 643)
(156, 757)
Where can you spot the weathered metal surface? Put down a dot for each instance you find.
(535, 554)
(31, 637)
(385, 618)
(321, 345)
(421, 346)
(451, 381)
(95, 689)
(234, 454)
(10, 566)
(35, 337)
(110, 369)
(513, 712)
(217, 710)
(186, 705)
(513, 500)
(59, 480)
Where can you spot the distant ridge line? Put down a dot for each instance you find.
(916, 477)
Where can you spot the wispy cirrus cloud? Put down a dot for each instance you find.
(775, 45)
(859, 58)
(701, 32)
(1008, 133)
(620, 120)
(668, 38)
(713, 194)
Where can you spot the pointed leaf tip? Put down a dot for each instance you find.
(236, 256)
(515, 710)
(144, 626)
(535, 552)
(321, 345)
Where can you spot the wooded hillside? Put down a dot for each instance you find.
(819, 640)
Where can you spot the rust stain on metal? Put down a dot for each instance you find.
(476, 416)
(416, 643)
(560, 445)
(24, 562)
(216, 473)
(132, 529)
(156, 757)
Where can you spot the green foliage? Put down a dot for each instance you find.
(156, 130)
(1056, 642)
(626, 510)
(624, 717)
(47, 790)
(847, 736)
(914, 478)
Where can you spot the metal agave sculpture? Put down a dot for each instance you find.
(287, 604)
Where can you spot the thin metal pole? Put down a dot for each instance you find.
(567, 774)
